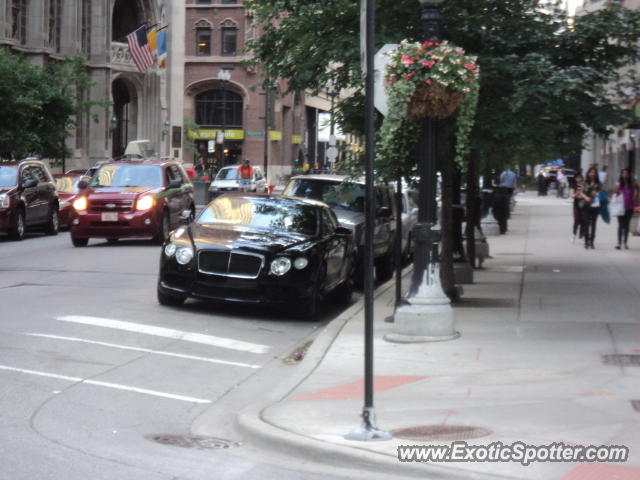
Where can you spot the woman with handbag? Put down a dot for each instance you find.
(591, 196)
(626, 190)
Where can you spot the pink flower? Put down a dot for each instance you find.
(470, 66)
(427, 44)
(428, 81)
(406, 59)
(429, 64)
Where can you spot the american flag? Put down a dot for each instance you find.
(139, 49)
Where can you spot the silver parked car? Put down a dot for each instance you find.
(346, 199)
(228, 180)
(409, 219)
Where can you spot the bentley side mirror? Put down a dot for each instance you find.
(83, 184)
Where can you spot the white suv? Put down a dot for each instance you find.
(228, 180)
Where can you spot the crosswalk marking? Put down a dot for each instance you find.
(98, 383)
(211, 340)
(145, 350)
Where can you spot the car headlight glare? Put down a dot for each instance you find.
(4, 200)
(184, 255)
(300, 263)
(280, 266)
(145, 202)
(80, 203)
(170, 249)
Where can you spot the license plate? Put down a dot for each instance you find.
(109, 216)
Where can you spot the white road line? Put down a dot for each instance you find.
(97, 383)
(211, 340)
(144, 350)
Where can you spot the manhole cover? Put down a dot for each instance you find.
(201, 443)
(622, 360)
(440, 432)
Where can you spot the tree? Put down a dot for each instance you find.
(38, 105)
(545, 82)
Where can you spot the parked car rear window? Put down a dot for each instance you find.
(8, 176)
(149, 176)
(227, 174)
(348, 196)
(279, 215)
(67, 184)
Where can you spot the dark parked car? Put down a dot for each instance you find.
(132, 199)
(259, 249)
(28, 198)
(67, 188)
(346, 199)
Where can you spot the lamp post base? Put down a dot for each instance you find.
(426, 316)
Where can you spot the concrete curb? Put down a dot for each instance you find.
(251, 423)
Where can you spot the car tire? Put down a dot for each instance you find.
(384, 268)
(311, 310)
(18, 226)
(79, 241)
(53, 224)
(169, 300)
(344, 292)
(165, 228)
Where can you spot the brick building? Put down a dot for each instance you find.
(215, 33)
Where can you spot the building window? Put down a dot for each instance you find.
(217, 108)
(203, 41)
(229, 2)
(19, 20)
(229, 42)
(55, 23)
(203, 2)
(86, 27)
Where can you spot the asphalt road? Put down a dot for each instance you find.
(92, 368)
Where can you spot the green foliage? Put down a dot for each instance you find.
(38, 106)
(545, 82)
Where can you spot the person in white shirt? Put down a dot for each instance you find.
(602, 175)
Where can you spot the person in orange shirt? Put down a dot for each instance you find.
(245, 174)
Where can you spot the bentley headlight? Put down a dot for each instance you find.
(170, 249)
(184, 255)
(280, 266)
(4, 201)
(80, 203)
(300, 263)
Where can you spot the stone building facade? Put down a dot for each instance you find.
(215, 33)
(49, 30)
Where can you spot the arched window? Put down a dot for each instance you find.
(55, 23)
(19, 20)
(126, 18)
(217, 108)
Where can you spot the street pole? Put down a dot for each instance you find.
(267, 91)
(368, 429)
(426, 313)
(223, 76)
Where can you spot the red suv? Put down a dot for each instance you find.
(28, 198)
(132, 199)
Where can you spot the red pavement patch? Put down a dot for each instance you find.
(602, 472)
(353, 390)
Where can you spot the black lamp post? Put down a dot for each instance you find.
(224, 76)
(426, 313)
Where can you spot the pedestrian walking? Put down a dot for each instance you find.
(502, 199)
(627, 189)
(561, 180)
(591, 193)
(579, 205)
(245, 174)
(602, 175)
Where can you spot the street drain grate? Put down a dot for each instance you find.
(440, 432)
(200, 443)
(636, 405)
(622, 360)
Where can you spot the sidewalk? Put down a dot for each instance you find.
(528, 365)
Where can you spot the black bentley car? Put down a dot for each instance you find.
(259, 249)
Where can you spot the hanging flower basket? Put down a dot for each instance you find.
(435, 101)
(440, 75)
